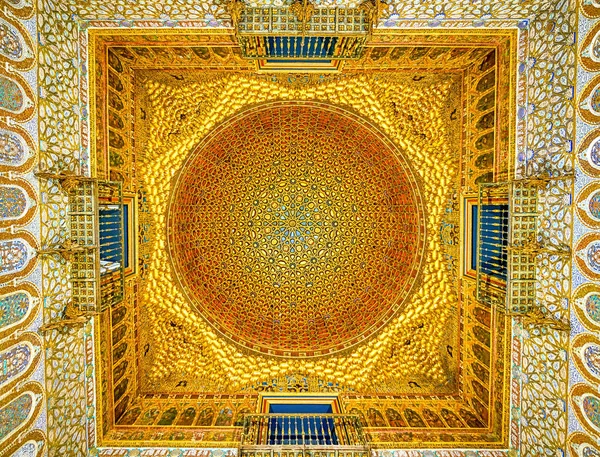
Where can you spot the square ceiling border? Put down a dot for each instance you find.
(71, 153)
(470, 39)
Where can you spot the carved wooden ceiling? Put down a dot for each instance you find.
(387, 320)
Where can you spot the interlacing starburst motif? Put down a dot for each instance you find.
(301, 236)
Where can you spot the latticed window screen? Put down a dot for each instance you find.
(297, 46)
(82, 210)
(277, 33)
(111, 243)
(111, 252)
(523, 265)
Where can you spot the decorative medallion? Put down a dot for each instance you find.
(586, 356)
(16, 97)
(17, 254)
(17, 150)
(587, 305)
(586, 405)
(19, 358)
(23, 9)
(588, 205)
(17, 202)
(18, 307)
(582, 445)
(590, 49)
(15, 45)
(589, 154)
(30, 444)
(19, 408)
(297, 229)
(589, 105)
(587, 255)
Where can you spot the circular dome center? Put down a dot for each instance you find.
(296, 229)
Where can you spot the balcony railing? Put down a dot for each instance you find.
(324, 435)
(111, 236)
(492, 235)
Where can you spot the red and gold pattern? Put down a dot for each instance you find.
(301, 237)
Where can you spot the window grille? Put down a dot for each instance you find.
(506, 228)
(491, 239)
(284, 434)
(111, 252)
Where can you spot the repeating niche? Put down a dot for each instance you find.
(15, 47)
(471, 419)
(16, 97)
(394, 418)
(17, 255)
(433, 419)
(29, 445)
(18, 410)
(120, 389)
(18, 359)
(149, 417)
(168, 417)
(482, 115)
(118, 315)
(130, 416)
(17, 150)
(224, 418)
(121, 407)
(586, 405)
(239, 417)
(119, 352)
(587, 255)
(120, 370)
(206, 417)
(413, 419)
(451, 419)
(375, 419)
(586, 356)
(118, 334)
(187, 417)
(18, 307)
(588, 205)
(17, 202)
(587, 305)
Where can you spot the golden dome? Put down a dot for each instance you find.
(297, 229)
